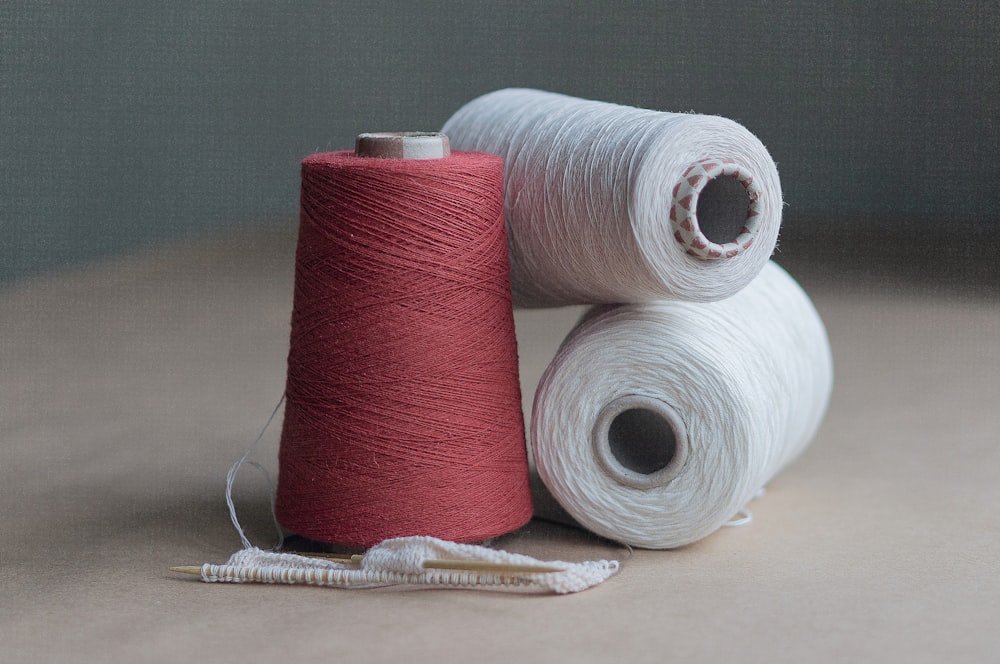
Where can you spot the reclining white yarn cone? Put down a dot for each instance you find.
(656, 423)
(609, 203)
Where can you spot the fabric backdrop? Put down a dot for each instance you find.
(126, 122)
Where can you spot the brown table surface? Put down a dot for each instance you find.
(129, 386)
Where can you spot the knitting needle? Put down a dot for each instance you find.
(353, 560)
(487, 567)
(463, 565)
(187, 569)
(457, 565)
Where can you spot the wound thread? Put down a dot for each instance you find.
(716, 398)
(609, 203)
(403, 413)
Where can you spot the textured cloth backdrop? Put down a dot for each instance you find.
(125, 123)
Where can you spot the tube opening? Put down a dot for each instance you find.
(715, 209)
(640, 441)
(722, 209)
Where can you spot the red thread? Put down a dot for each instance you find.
(403, 411)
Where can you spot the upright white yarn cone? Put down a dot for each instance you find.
(656, 423)
(608, 203)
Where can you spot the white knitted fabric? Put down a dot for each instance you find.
(400, 561)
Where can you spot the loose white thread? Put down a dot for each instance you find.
(744, 517)
(247, 458)
(609, 203)
(748, 378)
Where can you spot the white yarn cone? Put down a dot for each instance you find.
(609, 203)
(656, 423)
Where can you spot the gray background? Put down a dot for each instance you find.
(124, 123)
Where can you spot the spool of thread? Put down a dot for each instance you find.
(656, 423)
(608, 203)
(402, 411)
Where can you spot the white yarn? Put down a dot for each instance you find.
(608, 203)
(741, 384)
(400, 561)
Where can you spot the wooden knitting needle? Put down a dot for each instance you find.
(463, 565)
(456, 565)
(187, 569)
(491, 568)
(343, 560)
